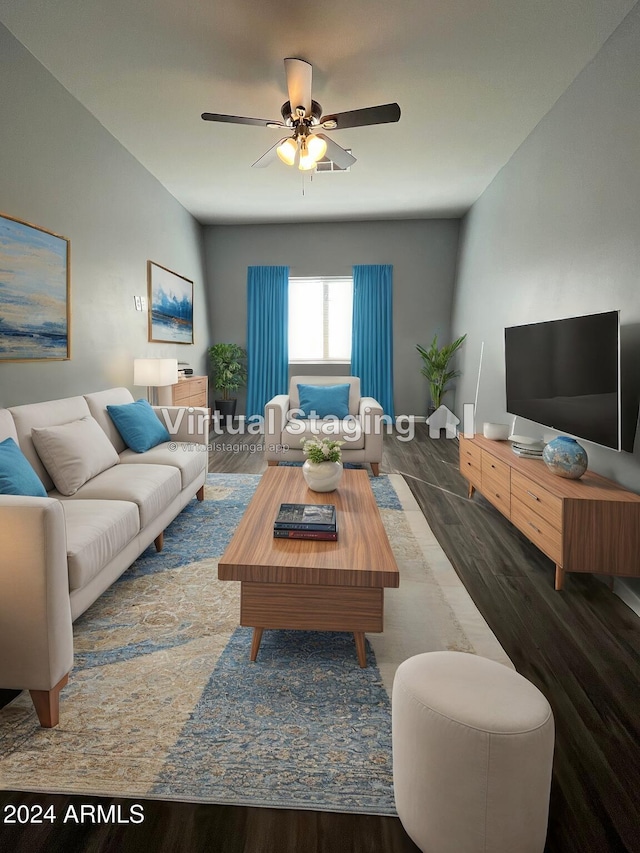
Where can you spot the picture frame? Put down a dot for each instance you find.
(170, 306)
(35, 292)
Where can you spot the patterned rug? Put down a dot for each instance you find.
(163, 701)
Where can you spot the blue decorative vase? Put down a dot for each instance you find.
(565, 457)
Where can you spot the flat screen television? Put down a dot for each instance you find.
(565, 374)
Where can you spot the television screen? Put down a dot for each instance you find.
(565, 374)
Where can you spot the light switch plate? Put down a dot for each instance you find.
(138, 303)
(143, 302)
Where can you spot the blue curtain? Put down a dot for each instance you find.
(372, 334)
(267, 336)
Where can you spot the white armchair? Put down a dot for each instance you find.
(361, 431)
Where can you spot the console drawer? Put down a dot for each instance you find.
(536, 498)
(471, 462)
(497, 470)
(544, 535)
(496, 491)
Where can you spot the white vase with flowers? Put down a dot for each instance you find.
(322, 469)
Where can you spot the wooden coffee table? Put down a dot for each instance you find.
(308, 584)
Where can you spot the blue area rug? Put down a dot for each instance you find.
(164, 702)
(305, 728)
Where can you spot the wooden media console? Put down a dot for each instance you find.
(586, 525)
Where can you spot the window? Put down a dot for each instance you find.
(320, 319)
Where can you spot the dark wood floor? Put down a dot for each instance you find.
(581, 647)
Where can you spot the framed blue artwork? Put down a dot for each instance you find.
(170, 306)
(35, 313)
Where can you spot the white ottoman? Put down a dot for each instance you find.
(472, 755)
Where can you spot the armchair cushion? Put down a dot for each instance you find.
(324, 400)
(17, 477)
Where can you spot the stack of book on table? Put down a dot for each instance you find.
(306, 521)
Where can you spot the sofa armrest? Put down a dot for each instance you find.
(185, 424)
(275, 418)
(36, 636)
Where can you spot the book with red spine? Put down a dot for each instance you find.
(325, 535)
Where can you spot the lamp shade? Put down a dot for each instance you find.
(317, 146)
(287, 150)
(155, 372)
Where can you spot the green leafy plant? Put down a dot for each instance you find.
(322, 450)
(228, 367)
(435, 367)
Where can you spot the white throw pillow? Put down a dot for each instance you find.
(73, 453)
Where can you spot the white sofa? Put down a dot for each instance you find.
(361, 432)
(59, 553)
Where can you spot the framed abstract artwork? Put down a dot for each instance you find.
(170, 306)
(35, 312)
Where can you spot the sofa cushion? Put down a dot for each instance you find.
(7, 426)
(73, 453)
(324, 401)
(98, 402)
(96, 532)
(17, 477)
(49, 413)
(190, 459)
(138, 425)
(151, 487)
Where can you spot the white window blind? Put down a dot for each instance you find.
(320, 311)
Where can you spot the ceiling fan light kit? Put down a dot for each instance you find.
(287, 151)
(304, 115)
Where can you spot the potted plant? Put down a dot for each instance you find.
(229, 372)
(322, 469)
(436, 367)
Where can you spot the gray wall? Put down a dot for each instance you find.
(423, 254)
(557, 233)
(61, 170)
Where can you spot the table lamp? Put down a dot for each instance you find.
(155, 373)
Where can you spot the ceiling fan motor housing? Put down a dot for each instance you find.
(290, 120)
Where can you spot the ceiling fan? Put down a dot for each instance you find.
(303, 116)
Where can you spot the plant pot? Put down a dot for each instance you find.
(322, 476)
(225, 408)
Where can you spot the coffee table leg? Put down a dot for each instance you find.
(255, 642)
(358, 636)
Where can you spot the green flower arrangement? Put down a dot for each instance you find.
(322, 450)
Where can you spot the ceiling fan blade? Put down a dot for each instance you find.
(337, 154)
(360, 118)
(263, 122)
(298, 74)
(269, 156)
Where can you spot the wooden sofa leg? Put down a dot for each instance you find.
(47, 703)
(272, 462)
(200, 493)
(159, 541)
(375, 468)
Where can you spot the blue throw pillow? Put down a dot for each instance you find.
(17, 477)
(138, 425)
(325, 400)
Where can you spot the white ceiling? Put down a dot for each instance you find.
(472, 77)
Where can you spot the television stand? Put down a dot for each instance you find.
(586, 525)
